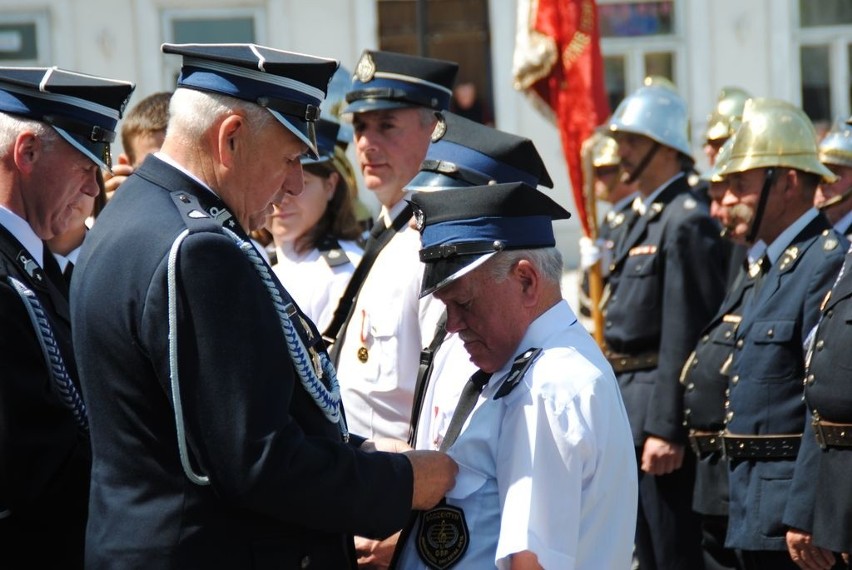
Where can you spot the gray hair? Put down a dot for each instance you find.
(192, 113)
(547, 260)
(11, 126)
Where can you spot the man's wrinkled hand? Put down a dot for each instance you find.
(375, 554)
(661, 457)
(805, 553)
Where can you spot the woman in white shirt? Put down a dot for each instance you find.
(315, 232)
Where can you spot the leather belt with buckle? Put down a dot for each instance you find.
(704, 443)
(831, 434)
(632, 362)
(761, 446)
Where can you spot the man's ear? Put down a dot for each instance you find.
(231, 131)
(124, 159)
(28, 148)
(529, 279)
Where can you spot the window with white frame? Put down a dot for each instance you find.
(226, 25)
(24, 38)
(639, 38)
(825, 52)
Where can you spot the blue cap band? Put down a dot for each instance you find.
(495, 170)
(514, 233)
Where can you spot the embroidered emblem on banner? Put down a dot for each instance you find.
(443, 537)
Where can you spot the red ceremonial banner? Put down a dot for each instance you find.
(560, 62)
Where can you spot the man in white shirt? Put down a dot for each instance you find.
(547, 477)
(392, 104)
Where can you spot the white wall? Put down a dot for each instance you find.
(726, 42)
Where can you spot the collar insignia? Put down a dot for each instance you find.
(30, 266)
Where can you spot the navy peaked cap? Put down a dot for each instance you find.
(463, 227)
(82, 109)
(387, 80)
(467, 153)
(289, 85)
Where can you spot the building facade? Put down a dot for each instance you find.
(798, 50)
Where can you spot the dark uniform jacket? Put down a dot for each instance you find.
(44, 454)
(828, 391)
(766, 385)
(667, 282)
(705, 380)
(284, 491)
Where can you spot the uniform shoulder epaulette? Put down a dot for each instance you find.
(194, 216)
(519, 368)
(332, 252)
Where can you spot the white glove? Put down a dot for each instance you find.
(590, 252)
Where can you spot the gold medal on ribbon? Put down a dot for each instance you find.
(363, 353)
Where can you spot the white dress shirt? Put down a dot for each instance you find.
(549, 468)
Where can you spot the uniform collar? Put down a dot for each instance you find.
(844, 224)
(755, 251)
(777, 247)
(18, 227)
(623, 203)
(177, 166)
(656, 193)
(388, 215)
(538, 334)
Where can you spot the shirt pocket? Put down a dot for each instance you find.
(640, 266)
(776, 357)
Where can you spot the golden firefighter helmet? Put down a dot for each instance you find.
(727, 114)
(775, 133)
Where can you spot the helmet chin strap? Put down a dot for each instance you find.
(643, 164)
(835, 200)
(761, 206)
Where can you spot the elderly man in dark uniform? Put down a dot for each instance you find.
(55, 130)
(667, 281)
(705, 381)
(772, 173)
(217, 428)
